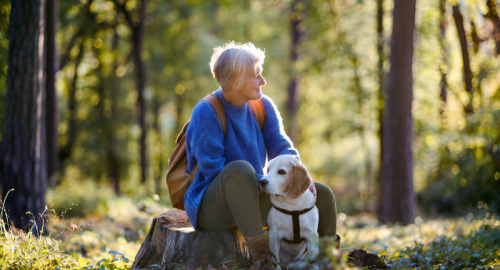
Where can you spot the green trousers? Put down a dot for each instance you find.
(233, 199)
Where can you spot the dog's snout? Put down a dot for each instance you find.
(263, 183)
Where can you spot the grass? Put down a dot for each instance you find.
(20, 250)
(471, 242)
(111, 241)
(93, 242)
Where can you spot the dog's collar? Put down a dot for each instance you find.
(296, 223)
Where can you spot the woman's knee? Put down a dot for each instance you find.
(327, 208)
(240, 170)
(324, 192)
(240, 167)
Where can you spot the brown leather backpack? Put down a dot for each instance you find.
(178, 178)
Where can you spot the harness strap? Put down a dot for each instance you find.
(296, 223)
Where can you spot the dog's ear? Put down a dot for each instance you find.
(299, 182)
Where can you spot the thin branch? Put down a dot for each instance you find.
(128, 17)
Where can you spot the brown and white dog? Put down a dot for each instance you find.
(293, 219)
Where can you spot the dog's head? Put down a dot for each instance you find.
(286, 176)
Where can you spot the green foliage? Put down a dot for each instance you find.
(19, 250)
(476, 250)
(79, 197)
(466, 175)
(338, 94)
(112, 241)
(464, 243)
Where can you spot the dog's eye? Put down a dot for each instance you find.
(282, 172)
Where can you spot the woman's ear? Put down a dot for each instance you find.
(299, 181)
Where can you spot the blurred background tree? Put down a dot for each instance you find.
(398, 196)
(129, 72)
(23, 154)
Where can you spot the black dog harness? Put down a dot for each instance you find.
(296, 223)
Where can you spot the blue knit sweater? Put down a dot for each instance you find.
(207, 146)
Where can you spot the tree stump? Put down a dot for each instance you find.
(172, 242)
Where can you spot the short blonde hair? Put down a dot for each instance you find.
(232, 60)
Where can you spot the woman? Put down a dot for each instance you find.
(225, 192)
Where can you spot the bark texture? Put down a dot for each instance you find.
(443, 70)
(381, 97)
(138, 32)
(112, 148)
(137, 25)
(172, 242)
(52, 105)
(297, 34)
(466, 71)
(398, 197)
(23, 151)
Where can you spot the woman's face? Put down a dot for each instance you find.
(250, 89)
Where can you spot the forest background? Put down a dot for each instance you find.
(127, 75)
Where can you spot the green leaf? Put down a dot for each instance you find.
(116, 253)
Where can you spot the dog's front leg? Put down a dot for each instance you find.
(274, 245)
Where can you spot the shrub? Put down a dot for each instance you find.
(79, 197)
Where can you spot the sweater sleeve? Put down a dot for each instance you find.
(205, 143)
(276, 140)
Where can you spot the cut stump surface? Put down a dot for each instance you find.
(172, 242)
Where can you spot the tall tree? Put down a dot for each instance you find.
(72, 132)
(381, 95)
(87, 28)
(114, 164)
(466, 71)
(138, 26)
(52, 106)
(398, 197)
(213, 5)
(23, 151)
(444, 58)
(297, 33)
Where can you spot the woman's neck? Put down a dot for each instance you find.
(234, 98)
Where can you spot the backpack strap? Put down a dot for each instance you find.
(258, 112)
(219, 110)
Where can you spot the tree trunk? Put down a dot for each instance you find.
(157, 128)
(107, 125)
(467, 73)
(141, 83)
(381, 97)
(297, 33)
(247, 28)
(137, 39)
(113, 156)
(179, 109)
(89, 19)
(172, 242)
(23, 155)
(52, 105)
(444, 59)
(398, 198)
(366, 186)
(138, 31)
(72, 131)
(214, 7)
